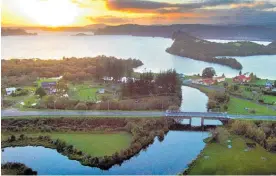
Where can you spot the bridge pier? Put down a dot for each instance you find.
(202, 121)
(190, 121)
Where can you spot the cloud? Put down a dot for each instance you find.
(109, 20)
(147, 6)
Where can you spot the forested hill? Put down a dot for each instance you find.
(188, 46)
(248, 32)
(9, 31)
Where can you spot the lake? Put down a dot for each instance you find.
(168, 157)
(150, 50)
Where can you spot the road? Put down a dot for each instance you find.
(17, 113)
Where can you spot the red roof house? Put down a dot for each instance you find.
(241, 79)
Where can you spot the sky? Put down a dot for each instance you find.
(55, 13)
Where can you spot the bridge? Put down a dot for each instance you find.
(223, 117)
(179, 116)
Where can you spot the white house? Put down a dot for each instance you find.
(219, 79)
(10, 90)
(101, 91)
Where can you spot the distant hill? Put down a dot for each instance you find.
(237, 32)
(199, 49)
(10, 31)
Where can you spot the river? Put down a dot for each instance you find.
(150, 50)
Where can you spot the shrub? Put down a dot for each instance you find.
(220, 135)
(271, 144)
(81, 106)
(12, 138)
(173, 108)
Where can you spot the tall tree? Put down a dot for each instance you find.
(208, 72)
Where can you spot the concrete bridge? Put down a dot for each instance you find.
(179, 116)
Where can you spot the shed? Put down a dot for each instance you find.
(10, 90)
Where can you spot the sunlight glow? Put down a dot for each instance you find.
(51, 12)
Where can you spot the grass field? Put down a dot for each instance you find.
(83, 92)
(94, 144)
(220, 160)
(237, 106)
(269, 99)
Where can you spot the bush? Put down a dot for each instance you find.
(12, 138)
(220, 135)
(271, 144)
(173, 108)
(81, 106)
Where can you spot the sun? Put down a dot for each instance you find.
(51, 12)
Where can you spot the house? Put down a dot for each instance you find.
(10, 90)
(268, 85)
(241, 79)
(219, 79)
(50, 87)
(197, 81)
(273, 90)
(101, 91)
(106, 78)
(208, 82)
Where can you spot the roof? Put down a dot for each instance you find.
(242, 77)
(10, 89)
(46, 84)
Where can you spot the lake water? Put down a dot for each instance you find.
(170, 156)
(150, 50)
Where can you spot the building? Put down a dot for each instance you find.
(208, 82)
(10, 90)
(219, 79)
(101, 91)
(50, 87)
(241, 79)
(268, 85)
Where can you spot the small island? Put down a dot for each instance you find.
(80, 34)
(189, 46)
(10, 32)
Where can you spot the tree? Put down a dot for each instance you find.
(41, 92)
(274, 83)
(240, 73)
(208, 72)
(62, 87)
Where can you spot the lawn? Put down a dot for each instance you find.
(83, 92)
(217, 159)
(269, 99)
(94, 144)
(238, 106)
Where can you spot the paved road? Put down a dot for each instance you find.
(17, 113)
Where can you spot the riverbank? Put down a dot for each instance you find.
(11, 168)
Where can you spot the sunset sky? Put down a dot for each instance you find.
(114, 12)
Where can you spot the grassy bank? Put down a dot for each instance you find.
(240, 106)
(218, 159)
(94, 144)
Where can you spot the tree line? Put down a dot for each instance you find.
(22, 71)
(164, 83)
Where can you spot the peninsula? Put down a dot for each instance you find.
(10, 31)
(199, 49)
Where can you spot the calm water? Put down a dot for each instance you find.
(148, 49)
(195, 101)
(168, 157)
